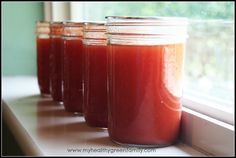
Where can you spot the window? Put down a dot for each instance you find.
(209, 68)
(209, 60)
(209, 63)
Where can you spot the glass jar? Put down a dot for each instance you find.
(43, 50)
(56, 60)
(145, 79)
(73, 67)
(95, 48)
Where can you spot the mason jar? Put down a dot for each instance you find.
(43, 50)
(145, 79)
(73, 66)
(56, 29)
(95, 49)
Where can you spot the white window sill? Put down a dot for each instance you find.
(43, 128)
(207, 134)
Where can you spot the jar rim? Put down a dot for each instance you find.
(42, 24)
(145, 20)
(146, 17)
(42, 21)
(99, 23)
(73, 24)
(98, 26)
(56, 22)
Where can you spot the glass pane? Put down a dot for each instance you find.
(209, 60)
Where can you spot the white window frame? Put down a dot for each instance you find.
(208, 109)
(215, 136)
(207, 134)
(57, 11)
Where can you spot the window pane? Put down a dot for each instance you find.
(209, 60)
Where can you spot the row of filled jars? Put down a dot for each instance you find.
(124, 74)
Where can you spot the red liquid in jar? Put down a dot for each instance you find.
(43, 50)
(56, 68)
(145, 93)
(73, 75)
(95, 108)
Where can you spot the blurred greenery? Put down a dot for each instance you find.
(209, 61)
(192, 10)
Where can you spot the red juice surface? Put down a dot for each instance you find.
(43, 50)
(73, 75)
(56, 68)
(144, 92)
(95, 108)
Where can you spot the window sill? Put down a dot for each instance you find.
(43, 128)
(207, 134)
